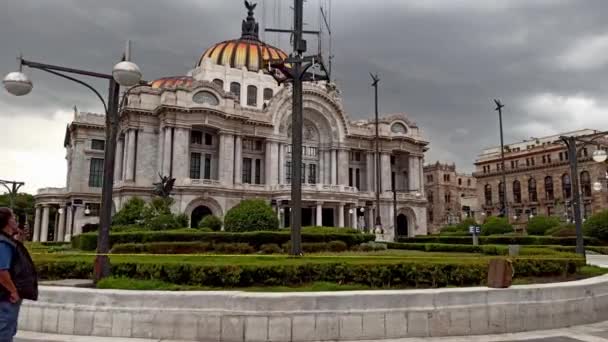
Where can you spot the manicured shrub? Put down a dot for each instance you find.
(337, 246)
(539, 225)
(88, 241)
(234, 248)
(461, 228)
(251, 215)
(383, 273)
(182, 220)
(131, 213)
(212, 222)
(271, 248)
(162, 222)
(597, 226)
(502, 240)
(496, 225)
(564, 230)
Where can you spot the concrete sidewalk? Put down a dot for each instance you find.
(587, 333)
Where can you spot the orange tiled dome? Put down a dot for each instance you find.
(248, 51)
(171, 82)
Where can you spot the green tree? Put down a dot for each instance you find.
(212, 222)
(24, 206)
(496, 225)
(597, 226)
(132, 213)
(251, 215)
(539, 225)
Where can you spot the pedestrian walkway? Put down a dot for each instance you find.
(587, 333)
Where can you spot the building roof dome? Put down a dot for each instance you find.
(172, 82)
(247, 51)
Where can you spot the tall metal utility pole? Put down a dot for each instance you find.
(296, 73)
(499, 107)
(12, 190)
(375, 82)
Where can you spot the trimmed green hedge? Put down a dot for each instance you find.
(222, 248)
(380, 273)
(502, 240)
(88, 242)
(486, 249)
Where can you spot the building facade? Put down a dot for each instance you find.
(223, 131)
(451, 196)
(539, 180)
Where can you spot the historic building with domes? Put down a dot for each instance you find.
(222, 131)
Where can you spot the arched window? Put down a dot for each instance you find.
(488, 194)
(252, 95)
(532, 196)
(268, 94)
(516, 191)
(586, 184)
(235, 88)
(549, 195)
(398, 128)
(566, 186)
(501, 193)
(219, 82)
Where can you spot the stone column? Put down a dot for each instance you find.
(281, 165)
(238, 160)
(334, 168)
(267, 163)
(274, 164)
(413, 173)
(353, 218)
(319, 214)
(118, 166)
(160, 151)
(56, 226)
(68, 225)
(37, 219)
(343, 167)
(130, 173)
(326, 167)
(61, 231)
(385, 171)
(44, 230)
(181, 155)
(370, 219)
(321, 168)
(420, 175)
(341, 215)
(370, 167)
(167, 151)
(123, 173)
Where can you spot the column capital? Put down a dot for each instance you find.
(320, 203)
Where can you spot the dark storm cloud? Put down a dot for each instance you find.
(440, 61)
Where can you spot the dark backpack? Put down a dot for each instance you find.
(22, 271)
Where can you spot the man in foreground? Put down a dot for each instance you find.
(18, 279)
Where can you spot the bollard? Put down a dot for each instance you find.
(500, 273)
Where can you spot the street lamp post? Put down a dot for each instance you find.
(297, 73)
(598, 156)
(375, 81)
(124, 73)
(505, 207)
(12, 190)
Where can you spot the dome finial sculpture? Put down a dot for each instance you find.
(250, 27)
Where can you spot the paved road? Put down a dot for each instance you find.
(588, 333)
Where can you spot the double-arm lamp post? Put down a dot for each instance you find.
(12, 190)
(124, 73)
(599, 156)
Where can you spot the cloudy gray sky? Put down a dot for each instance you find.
(440, 61)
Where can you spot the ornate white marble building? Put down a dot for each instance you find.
(223, 131)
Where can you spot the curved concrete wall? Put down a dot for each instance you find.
(324, 316)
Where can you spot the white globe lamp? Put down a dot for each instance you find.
(599, 156)
(126, 73)
(17, 83)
